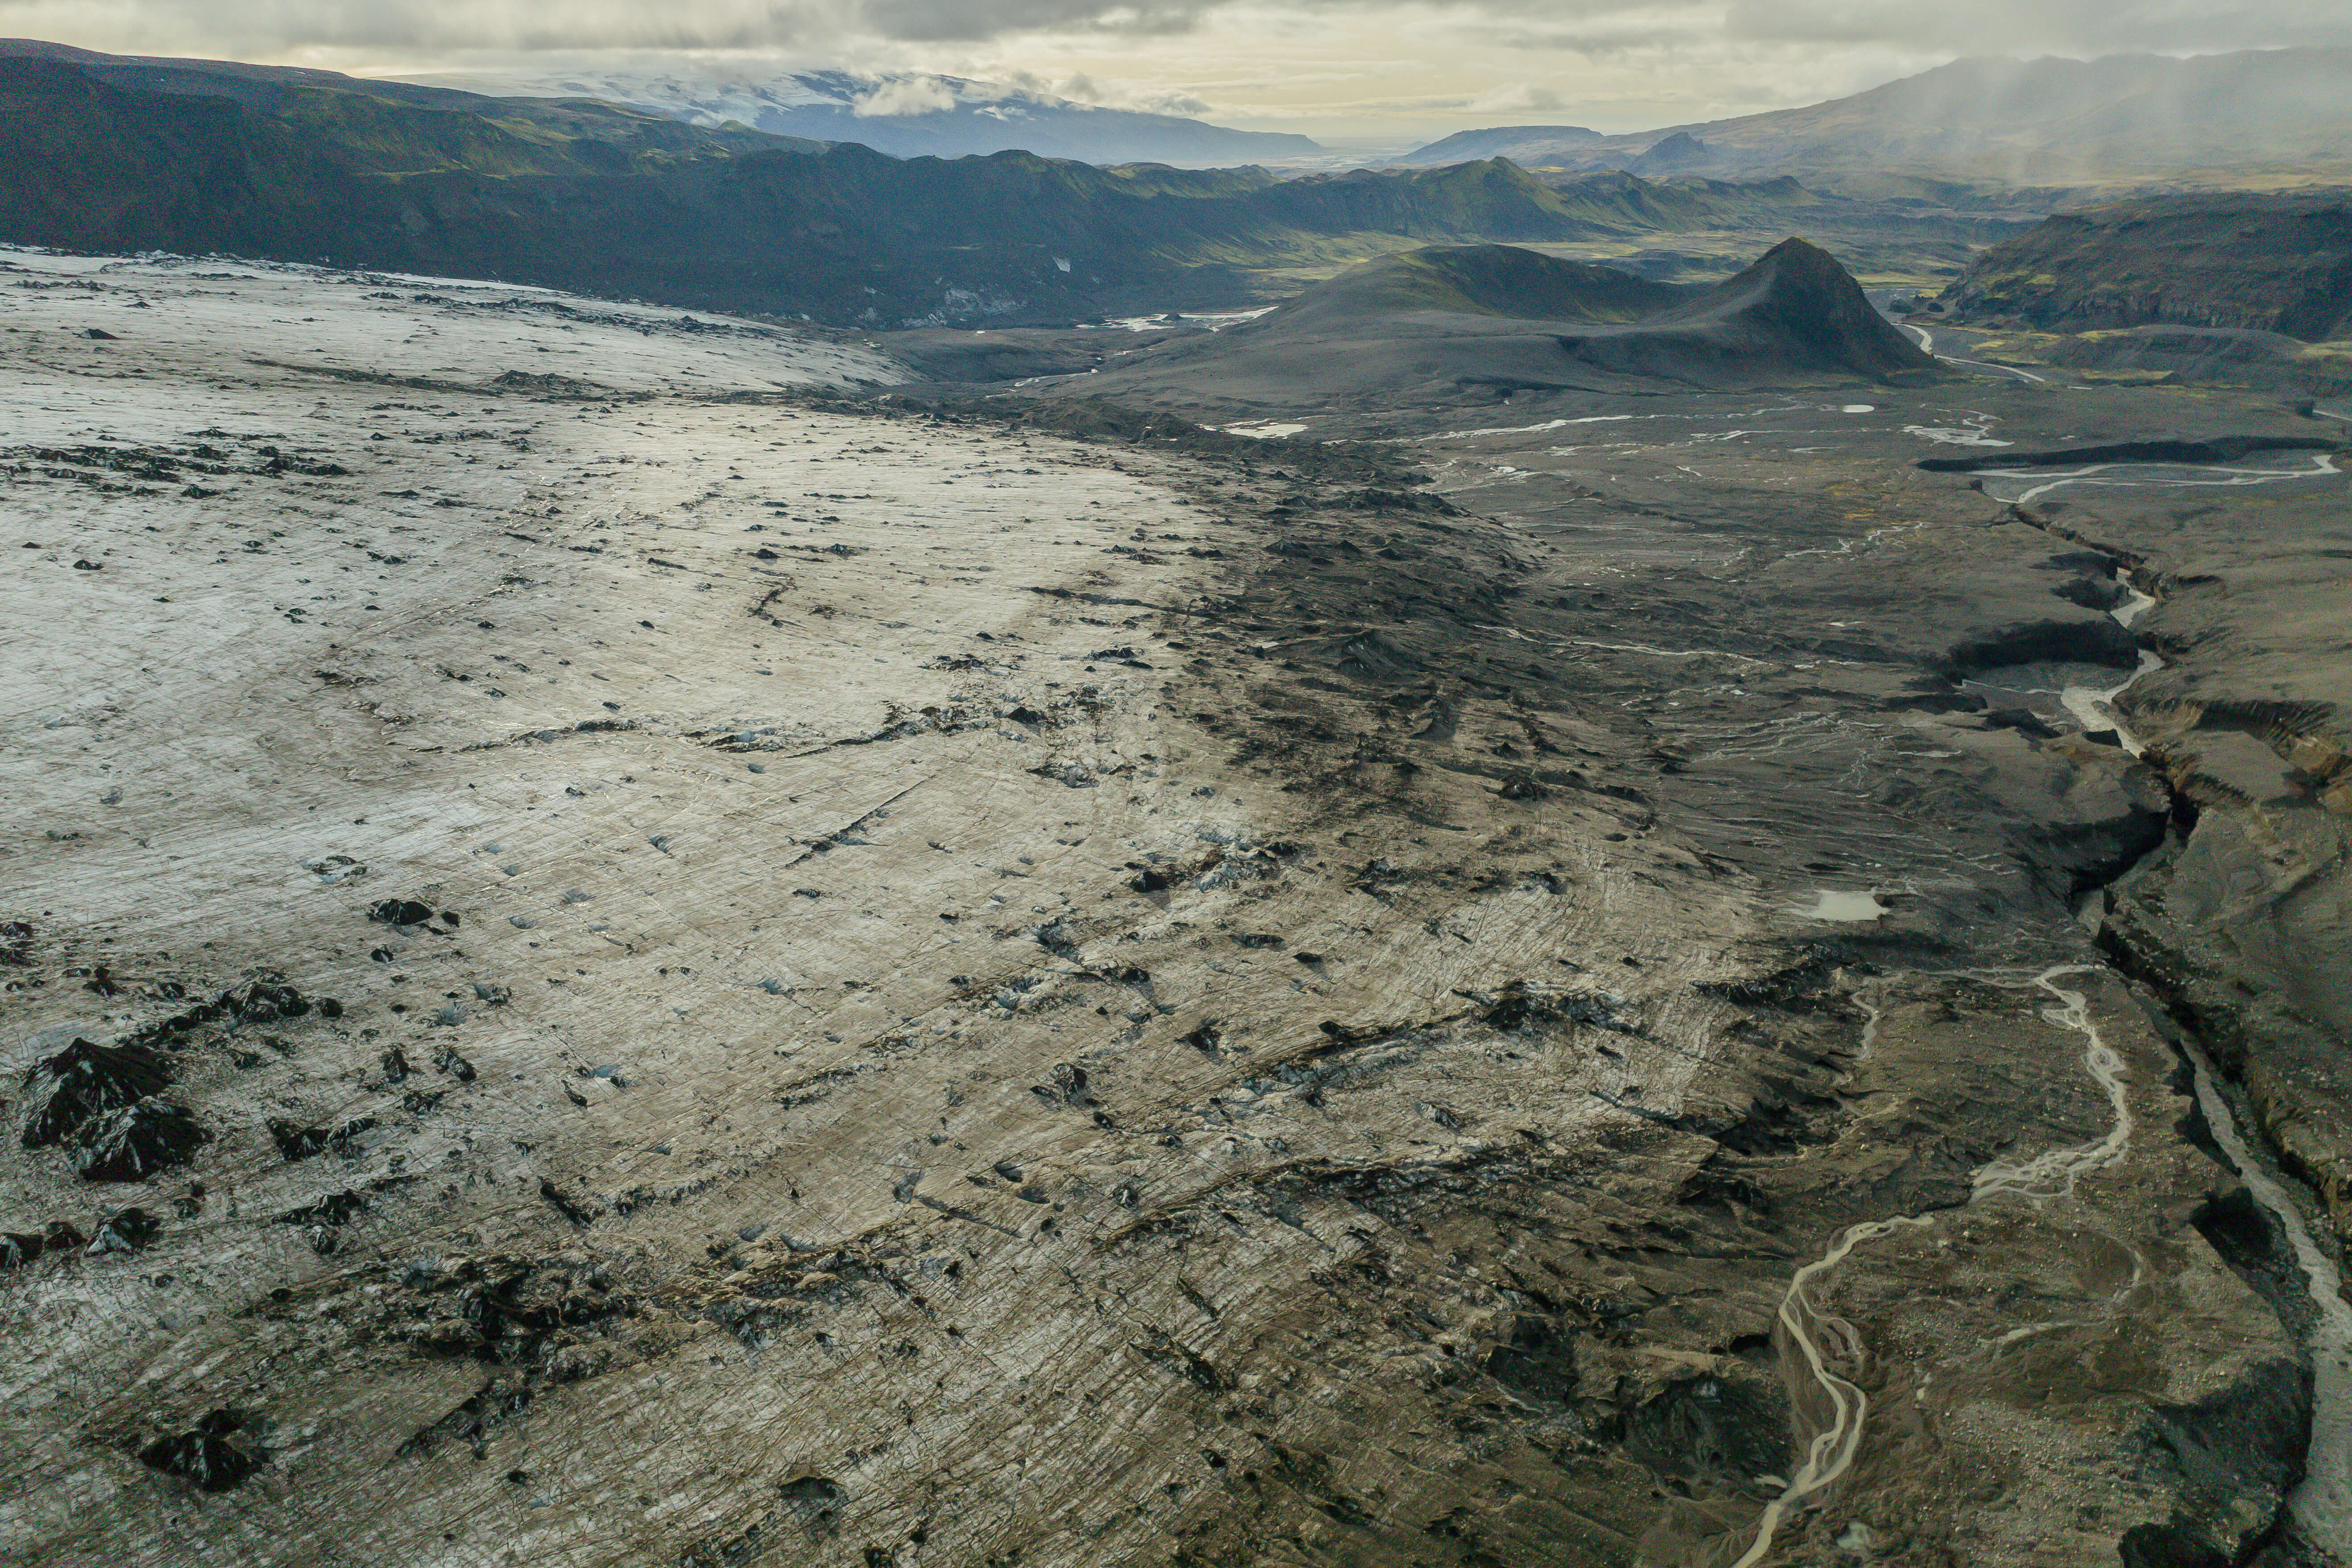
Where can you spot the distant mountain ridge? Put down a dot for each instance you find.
(908, 115)
(2049, 120)
(375, 127)
(109, 154)
(1529, 147)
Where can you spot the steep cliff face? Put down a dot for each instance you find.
(2271, 263)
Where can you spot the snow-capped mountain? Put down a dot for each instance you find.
(908, 116)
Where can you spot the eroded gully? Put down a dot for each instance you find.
(1830, 1412)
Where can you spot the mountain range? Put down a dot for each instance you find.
(2049, 120)
(1530, 146)
(910, 115)
(111, 155)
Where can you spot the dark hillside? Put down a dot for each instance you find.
(1794, 313)
(1470, 325)
(2268, 263)
(1473, 279)
(101, 154)
(394, 127)
(1797, 305)
(2049, 120)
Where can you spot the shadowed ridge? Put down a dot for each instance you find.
(1795, 312)
(1526, 145)
(2271, 262)
(1798, 292)
(266, 89)
(1503, 281)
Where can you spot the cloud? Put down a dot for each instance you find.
(1980, 27)
(1515, 97)
(2046, 27)
(1166, 101)
(277, 27)
(906, 95)
(934, 21)
(1599, 41)
(1328, 67)
(1080, 88)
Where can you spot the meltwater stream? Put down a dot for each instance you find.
(2321, 1506)
(1839, 1405)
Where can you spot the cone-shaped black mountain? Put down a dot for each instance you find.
(1794, 312)
(1472, 320)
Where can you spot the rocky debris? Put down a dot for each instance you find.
(2228, 1454)
(474, 1420)
(261, 1001)
(137, 1141)
(324, 1218)
(1099, 420)
(60, 1239)
(103, 1101)
(84, 1081)
(263, 998)
(89, 465)
(295, 1142)
(537, 1322)
(1521, 1004)
(562, 1203)
(216, 1455)
(124, 1230)
(1717, 1430)
(334, 869)
(504, 1309)
(808, 1508)
(1807, 982)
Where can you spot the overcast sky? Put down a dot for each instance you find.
(1346, 69)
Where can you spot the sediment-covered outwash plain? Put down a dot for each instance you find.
(624, 947)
